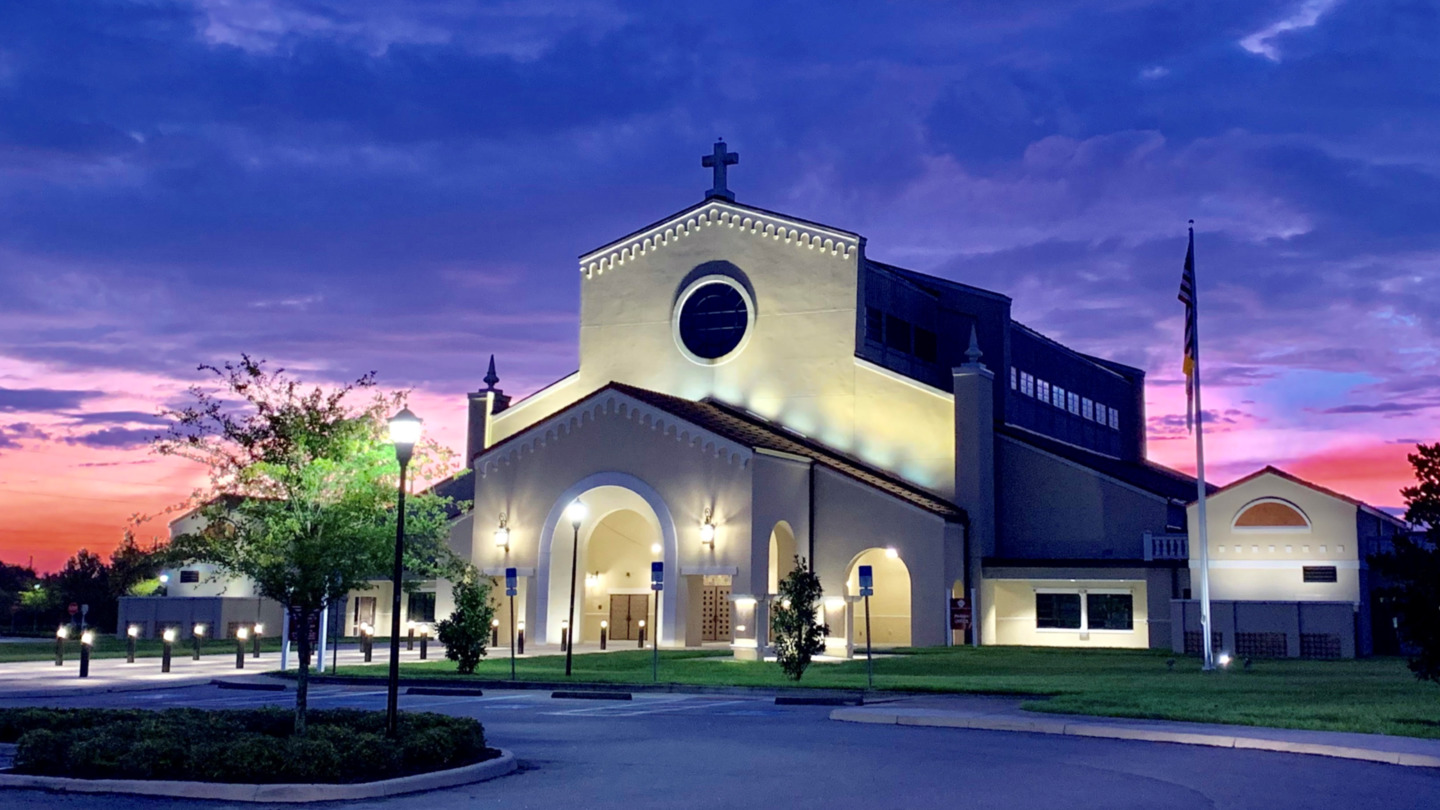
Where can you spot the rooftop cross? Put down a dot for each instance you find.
(717, 163)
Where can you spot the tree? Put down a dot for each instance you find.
(39, 599)
(132, 568)
(467, 632)
(302, 492)
(1412, 569)
(15, 580)
(799, 635)
(85, 580)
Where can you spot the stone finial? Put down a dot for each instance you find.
(490, 376)
(972, 354)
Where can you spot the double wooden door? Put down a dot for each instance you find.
(626, 611)
(715, 613)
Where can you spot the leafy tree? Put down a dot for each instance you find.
(799, 635)
(39, 599)
(14, 581)
(467, 632)
(133, 568)
(1412, 570)
(85, 580)
(302, 492)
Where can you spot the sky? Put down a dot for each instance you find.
(341, 186)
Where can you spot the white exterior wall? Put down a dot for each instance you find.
(1008, 607)
(1267, 566)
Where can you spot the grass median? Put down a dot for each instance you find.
(1375, 695)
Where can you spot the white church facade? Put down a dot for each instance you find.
(752, 387)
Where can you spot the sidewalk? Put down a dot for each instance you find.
(1001, 714)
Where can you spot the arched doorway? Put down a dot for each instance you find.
(782, 555)
(890, 606)
(625, 528)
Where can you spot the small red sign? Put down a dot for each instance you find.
(959, 615)
(74, 608)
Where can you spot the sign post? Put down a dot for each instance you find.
(959, 616)
(867, 587)
(657, 584)
(511, 577)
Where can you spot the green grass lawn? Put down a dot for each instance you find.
(107, 646)
(1376, 695)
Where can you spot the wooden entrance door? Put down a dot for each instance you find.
(626, 611)
(715, 613)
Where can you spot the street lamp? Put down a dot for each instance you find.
(404, 432)
(576, 511)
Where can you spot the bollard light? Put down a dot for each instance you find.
(87, 639)
(241, 633)
(131, 633)
(520, 638)
(196, 633)
(255, 640)
(641, 645)
(494, 632)
(61, 633)
(168, 640)
(424, 642)
(367, 641)
(410, 627)
(565, 637)
(604, 631)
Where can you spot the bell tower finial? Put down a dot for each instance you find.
(490, 376)
(972, 354)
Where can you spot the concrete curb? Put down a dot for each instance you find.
(290, 794)
(600, 686)
(1072, 729)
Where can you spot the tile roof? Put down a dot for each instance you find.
(1145, 475)
(752, 431)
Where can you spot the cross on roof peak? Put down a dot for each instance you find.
(717, 162)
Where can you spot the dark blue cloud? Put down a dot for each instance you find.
(43, 399)
(114, 438)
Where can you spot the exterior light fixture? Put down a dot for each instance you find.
(62, 631)
(707, 529)
(87, 637)
(242, 633)
(655, 549)
(891, 553)
(576, 511)
(259, 628)
(199, 630)
(1223, 660)
(404, 433)
(133, 631)
(164, 579)
(502, 533)
(834, 602)
(169, 635)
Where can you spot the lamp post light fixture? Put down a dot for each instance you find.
(255, 640)
(577, 512)
(404, 433)
(502, 534)
(61, 633)
(87, 639)
(707, 529)
(241, 633)
(131, 633)
(167, 640)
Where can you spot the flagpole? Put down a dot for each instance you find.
(1206, 643)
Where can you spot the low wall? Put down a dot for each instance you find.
(1256, 629)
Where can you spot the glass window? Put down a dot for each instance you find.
(1057, 397)
(1014, 379)
(897, 333)
(1027, 384)
(713, 320)
(1042, 390)
(925, 345)
(1074, 402)
(1110, 611)
(1058, 610)
(1087, 409)
(874, 324)
(189, 576)
(1114, 419)
(421, 607)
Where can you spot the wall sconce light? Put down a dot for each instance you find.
(707, 529)
(502, 533)
(592, 580)
(891, 553)
(655, 549)
(834, 602)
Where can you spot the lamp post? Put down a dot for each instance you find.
(576, 511)
(404, 432)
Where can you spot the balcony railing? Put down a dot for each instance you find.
(1166, 546)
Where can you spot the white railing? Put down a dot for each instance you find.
(1166, 546)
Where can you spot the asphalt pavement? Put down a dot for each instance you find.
(677, 750)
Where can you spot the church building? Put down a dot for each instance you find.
(753, 388)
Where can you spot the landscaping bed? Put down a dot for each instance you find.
(249, 746)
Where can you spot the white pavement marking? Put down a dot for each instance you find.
(675, 710)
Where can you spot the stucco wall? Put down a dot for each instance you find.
(1052, 509)
(1008, 608)
(1268, 563)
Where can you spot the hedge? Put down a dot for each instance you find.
(238, 745)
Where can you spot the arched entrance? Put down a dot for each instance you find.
(626, 527)
(890, 606)
(782, 555)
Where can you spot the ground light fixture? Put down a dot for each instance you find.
(494, 632)
(405, 430)
(641, 645)
(520, 637)
(1223, 659)
(61, 633)
(604, 631)
(167, 640)
(576, 512)
(196, 633)
(131, 633)
(241, 633)
(255, 640)
(424, 641)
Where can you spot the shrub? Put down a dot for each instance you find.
(467, 632)
(799, 634)
(247, 746)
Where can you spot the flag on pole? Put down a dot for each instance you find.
(1187, 297)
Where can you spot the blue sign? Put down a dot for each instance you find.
(511, 575)
(657, 576)
(867, 581)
